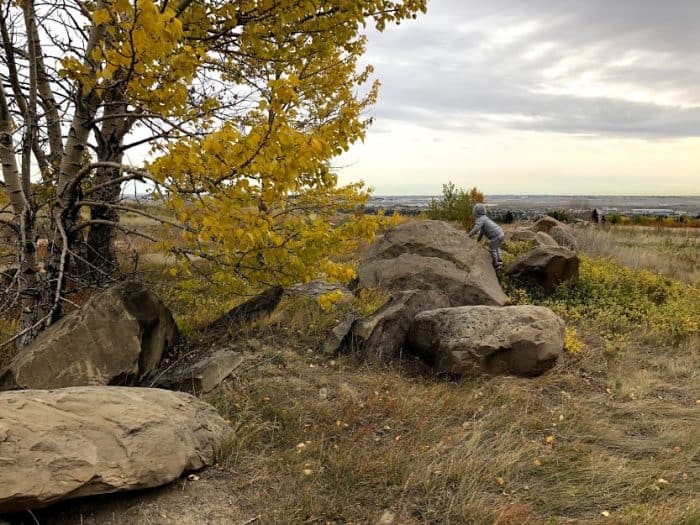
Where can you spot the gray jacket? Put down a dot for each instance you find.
(484, 225)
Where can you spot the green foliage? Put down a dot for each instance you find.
(456, 205)
(620, 299)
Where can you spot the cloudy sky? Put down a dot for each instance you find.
(537, 96)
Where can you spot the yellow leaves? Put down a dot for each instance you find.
(327, 300)
(549, 440)
(572, 342)
(101, 16)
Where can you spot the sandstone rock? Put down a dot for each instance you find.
(204, 375)
(522, 235)
(381, 336)
(545, 224)
(338, 338)
(432, 255)
(470, 340)
(543, 239)
(80, 441)
(559, 231)
(116, 337)
(546, 267)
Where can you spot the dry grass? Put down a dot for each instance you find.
(610, 436)
(340, 442)
(673, 252)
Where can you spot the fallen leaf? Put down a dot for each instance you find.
(537, 463)
(550, 440)
(605, 513)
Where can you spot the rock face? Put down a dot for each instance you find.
(546, 267)
(432, 255)
(381, 336)
(117, 336)
(471, 340)
(559, 231)
(203, 375)
(81, 441)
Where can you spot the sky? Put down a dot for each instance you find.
(536, 97)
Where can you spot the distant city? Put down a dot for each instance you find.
(532, 206)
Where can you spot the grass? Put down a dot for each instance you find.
(610, 436)
(673, 252)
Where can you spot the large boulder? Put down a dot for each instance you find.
(80, 441)
(118, 336)
(546, 267)
(432, 255)
(560, 232)
(543, 239)
(472, 340)
(381, 336)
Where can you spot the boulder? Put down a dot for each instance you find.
(560, 232)
(80, 441)
(545, 267)
(381, 336)
(522, 235)
(471, 340)
(543, 239)
(203, 375)
(432, 255)
(118, 336)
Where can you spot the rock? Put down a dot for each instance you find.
(204, 375)
(471, 340)
(545, 224)
(543, 239)
(522, 235)
(338, 338)
(118, 336)
(318, 287)
(254, 308)
(546, 267)
(80, 441)
(381, 336)
(432, 255)
(560, 232)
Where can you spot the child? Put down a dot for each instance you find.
(493, 232)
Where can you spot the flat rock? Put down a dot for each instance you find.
(546, 267)
(116, 337)
(432, 255)
(80, 441)
(473, 340)
(203, 375)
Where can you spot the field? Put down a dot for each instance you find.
(610, 436)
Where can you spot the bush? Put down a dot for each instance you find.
(456, 205)
(618, 299)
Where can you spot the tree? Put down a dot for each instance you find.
(241, 104)
(456, 204)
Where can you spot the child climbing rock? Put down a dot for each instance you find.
(485, 226)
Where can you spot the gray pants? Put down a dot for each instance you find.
(494, 249)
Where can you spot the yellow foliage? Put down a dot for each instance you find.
(572, 342)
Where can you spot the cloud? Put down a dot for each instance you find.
(621, 69)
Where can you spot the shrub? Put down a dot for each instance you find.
(622, 298)
(456, 205)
